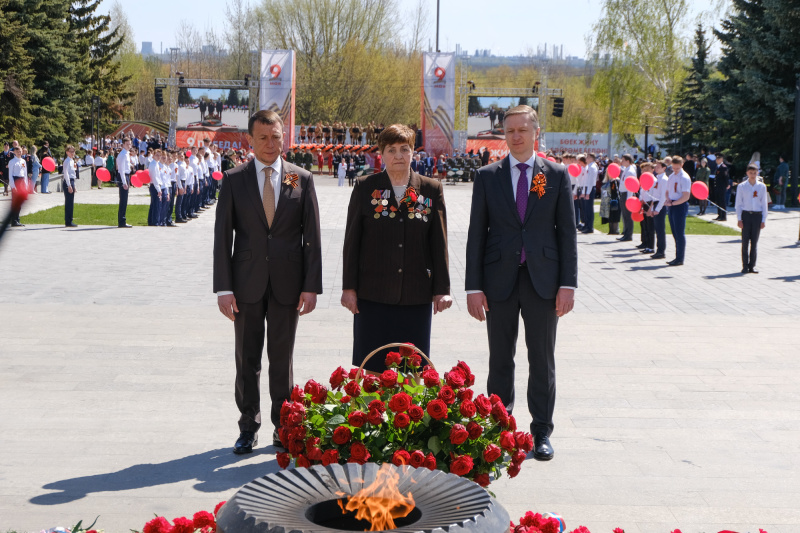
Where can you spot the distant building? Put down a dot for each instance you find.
(147, 48)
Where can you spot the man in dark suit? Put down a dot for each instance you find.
(522, 257)
(267, 265)
(722, 185)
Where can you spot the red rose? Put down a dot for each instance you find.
(297, 394)
(298, 433)
(518, 457)
(283, 435)
(312, 442)
(359, 452)
(354, 374)
(371, 383)
(417, 459)
(375, 417)
(416, 413)
(454, 379)
(182, 525)
(338, 377)
(318, 393)
(458, 434)
(218, 507)
(314, 454)
(499, 414)
(461, 466)
(447, 395)
(389, 379)
(414, 360)
(483, 405)
(430, 462)
(296, 447)
(345, 399)
(393, 358)
(431, 377)
(512, 423)
(467, 409)
(507, 441)
(407, 350)
(474, 429)
(464, 395)
(400, 402)
(469, 378)
(158, 524)
(356, 419)
(401, 457)
(330, 457)
(513, 470)
(377, 405)
(482, 479)
(492, 453)
(294, 420)
(341, 435)
(401, 420)
(437, 409)
(494, 398)
(302, 461)
(353, 389)
(524, 441)
(202, 519)
(283, 459)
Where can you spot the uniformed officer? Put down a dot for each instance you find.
(752, 207)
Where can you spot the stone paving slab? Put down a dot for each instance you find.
(678, 406)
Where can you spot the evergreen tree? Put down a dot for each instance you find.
(183, 95)
(233, 98)
(16, 77)
(523, 100)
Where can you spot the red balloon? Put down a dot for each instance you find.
(700, 190)
(217, 175)
(188, 154)
(637, 217)
(541, 154)
(633, 204)
(647, 181)
(613, 170)
(632, 184)
(103, 174)
(574, 170)
(551, 158)
(136, 180)
(145, 176)
(48, 164)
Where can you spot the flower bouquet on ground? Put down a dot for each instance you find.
(408, 415)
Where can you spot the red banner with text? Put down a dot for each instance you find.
(498, 149)
(225, 140)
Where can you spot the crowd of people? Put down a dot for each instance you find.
(337, 133)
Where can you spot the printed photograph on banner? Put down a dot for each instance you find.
(213, 109)
(485, 120)
(438, 103)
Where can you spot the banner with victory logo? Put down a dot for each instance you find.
(438, 102)
(278, 88)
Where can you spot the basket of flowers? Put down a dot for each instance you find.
(408, 415)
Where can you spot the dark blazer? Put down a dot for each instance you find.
(396, 260)
(496, 234)
(248, 254)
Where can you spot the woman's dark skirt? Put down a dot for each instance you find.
(377, 324)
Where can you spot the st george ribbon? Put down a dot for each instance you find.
(278, 88)
(438, 102)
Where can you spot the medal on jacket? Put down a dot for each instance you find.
(291, 180)
(376, 195)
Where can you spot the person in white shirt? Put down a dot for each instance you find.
(124, 170)
(341, 172)
(659, 212)
(17, 180)
(648, 203)
(180, 170)
(70, 175)
(679, 186)
(98, 163)
(155, 191)
(589, 188)
(752, 207)
(628, 169)
(166, 187)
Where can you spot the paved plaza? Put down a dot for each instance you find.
(678, 388)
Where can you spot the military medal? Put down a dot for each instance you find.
(375, 195)
(377, 215)
(291, 180)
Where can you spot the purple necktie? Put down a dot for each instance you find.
(522, 200)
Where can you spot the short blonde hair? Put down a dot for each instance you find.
(523, 110)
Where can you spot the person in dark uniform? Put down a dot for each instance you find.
(485, 157)
(219, 109)
(492, 116)
(395, 268)
(202, 110)
(6, 156)
(721, 187)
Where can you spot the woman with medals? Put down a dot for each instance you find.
(395, 273)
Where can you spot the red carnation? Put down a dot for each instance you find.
(464, 394)
(482, 479)
(371, 383)
(462, 465)
(524, 441)
(467, 409)
(407, 350)
(416, 413)
(401, 457)
(389, 379)
(377, 405)
(401, 420)
(474, 429)
(393, 358)
(437, 409)
(218, 507)
(356, 419)
(338, 377)
(330, 457)
(203, 519)
(158, 524)
(341, 435)
(492, 453)
(430, 377)
(507, 441)
(454, 379)
(302, 461)
(182, 525)
(283, 459)
(375, 417)
(430, 462)
(353, 389)
(297, 394)
(447, 395)
(518, 457)
(417, 458)
(513, 470)
(483, 405)
(458, 434)
(400, 402)
(359, 452)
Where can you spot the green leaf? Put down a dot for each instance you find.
(336, 420)
(426, 419)
(317, 420)
(435, 445)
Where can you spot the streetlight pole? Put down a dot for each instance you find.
(796, 141)
(437, 26)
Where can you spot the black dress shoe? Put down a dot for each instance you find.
(542, 450)
(276, 440)
(71, 225)
(675, 263)
(625, 239)
(171, 224)
(657, 255)
(124, 226)
(641, 246)
(753, 271)
(744, 270)
(17, 225)
(245, 443)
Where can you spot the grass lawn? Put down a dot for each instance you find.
(89, 215)
(694, 226)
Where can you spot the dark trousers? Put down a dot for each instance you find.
(281, 326)
(502, 322)
(648, 232)
(152, 213)
(751, 229)
(627, 221)
(576, 204)
(123, 201)
(587, 209)
(179, 205)
(171, 208)
(722, 204)
(163, 207)
(660, 226)
(69, 203)
(677, 221)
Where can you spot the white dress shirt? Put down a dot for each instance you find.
(155, 175)
(17, 169)
(628, 171)
(124, 163)
(69, 171)
(591, 177)
(98, 162)
(678, 183)
(89, 160)
(752, 198)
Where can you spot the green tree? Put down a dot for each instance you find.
(16, 77)
(233, 98)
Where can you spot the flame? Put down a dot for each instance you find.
(381, 502)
